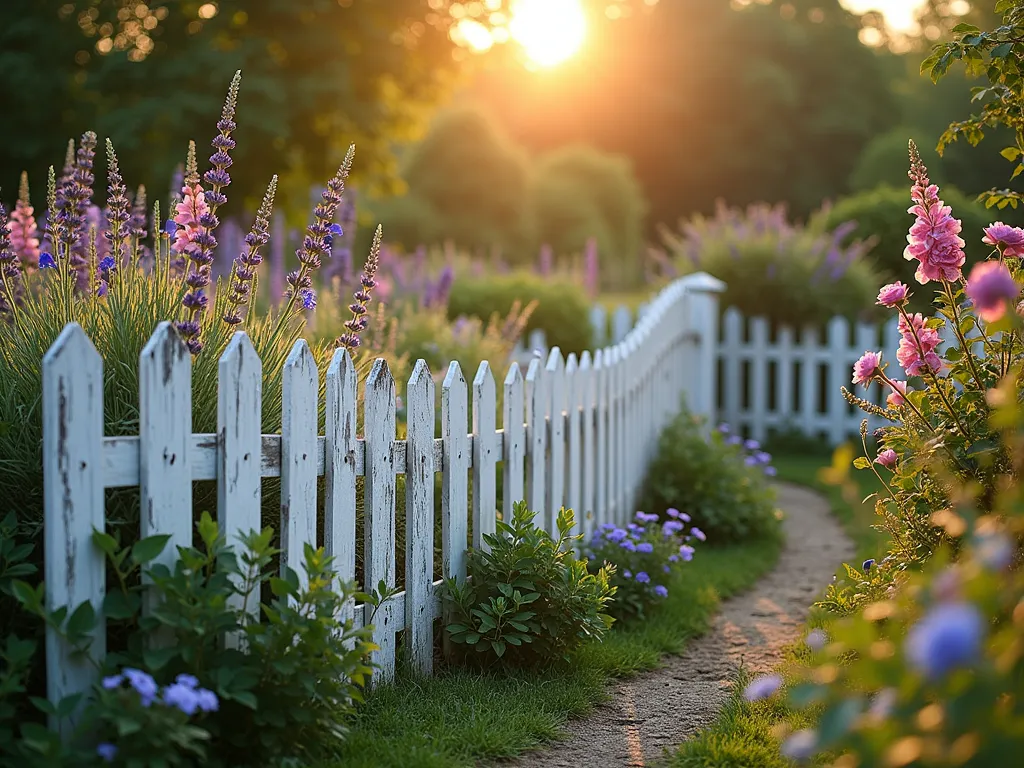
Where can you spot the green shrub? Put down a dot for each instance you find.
(579, 193)
(280, 691)
(562, 310)
(882, 163)
(710, 479)
(881, 214)
(528, 599)
(644, 559)
(773, 268)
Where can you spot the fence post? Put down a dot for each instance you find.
(485, 458)
(555, 374)
(299, 390)
(703, 290)
(513, 435)
(419, 520)
(73, 506)
(340, 447)
(537, 402)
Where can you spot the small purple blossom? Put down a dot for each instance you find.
(947, 637)
(114, 681)
(642, 577)
(698, 534)
(617, 534)
(771, 471)
(645, 547)
(143, 683)
(661, 591)
(666, 568)
(645, 517)
(762, 687)
(816, 639)
(686, 552)
(867, 564)
(752, 445)
(627, 574)
(801, 745)
(46, 261)
(628, 545)
(673, 558)
(106, 751)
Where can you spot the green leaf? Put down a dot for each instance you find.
(861, 463)
(1010, 153)
(148, 549)
(118, 605)
(158, 658)
(106, 543)
(81, 621)
(43, 705)
(965, 29)
(282, 588)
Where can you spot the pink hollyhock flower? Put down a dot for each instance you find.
(916, 352)
(1009, 240)
(989, 288)
(187, 214)
(886, 458)
(864, 370)
(893, 295)
(898, 394)
(24, 233)
(934, 237)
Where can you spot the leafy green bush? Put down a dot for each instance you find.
(711, 480)
(881, 214)
(643, 559)
(579, 193)
(278, 688)
(528, 599)
(562, 310)
(773, 268)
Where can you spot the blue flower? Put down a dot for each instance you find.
(627, 573)
(673, 558)
(183, 697)
(735, 440)
(170, 227)
(752, 445)
(762, 687)
(187, 680)
(750, 461)
(698, 534)
(628, 545)
(114, 681)
(642, 577)
(771, 471)
(608, 527)
(143, 684)
(686, 552)
(646, 547)
(948, 636)
(763, 458)
(672, 512)
(336, 230)
(617, 535)
(866, 565)
(661, 591)
(46, 261)
(671, 527)
(308, 297)
(666, 568)
(724, 428)
(106, 751)
(207, 700)
(801, 745)
(644, 517)
(107, 263)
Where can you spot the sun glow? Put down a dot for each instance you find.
(550, 31)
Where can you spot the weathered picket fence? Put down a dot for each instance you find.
(577, 432)
(781, 379)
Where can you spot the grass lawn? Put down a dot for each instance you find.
(458, 718)
(743, 736)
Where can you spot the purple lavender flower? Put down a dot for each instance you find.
(119, 213)
(642, 577)
(46, 261)
(762, 687)
(645, 547)
(947, 637)
(72, 202)
(247, 263)
(106, 751)
(10, 268)
(661, 591)
(367, 282)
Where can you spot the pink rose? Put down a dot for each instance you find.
(864, 370)
(886, 458)
(1009, 240)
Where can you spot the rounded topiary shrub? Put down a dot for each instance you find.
(562, 310)
(719, 480)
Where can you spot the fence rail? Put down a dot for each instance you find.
(783, 379)
(578, 432)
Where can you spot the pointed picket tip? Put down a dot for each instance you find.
(240, 344)
(380, 375)
(167, 346)
(72, 341)
(483, 375)
(300, 356)
(454, 376)
(555, 361)
(702, 282)
(534, 371)
(571, 365)
(586, 362)
(421, 376)
(341, 363)
(514, 374)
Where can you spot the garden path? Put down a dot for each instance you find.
(650, 713)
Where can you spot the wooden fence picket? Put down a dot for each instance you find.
(573, 450)
(537, 402)
(340, 453)
(299, 392)
(75, 570)
(239, 445)
(601, 436)
(513, 441)
(379, 505)
(585, 386)
(419, 520)
(455, 482)
(486, 448)
(555, 374)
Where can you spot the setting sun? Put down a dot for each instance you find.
(550, 31)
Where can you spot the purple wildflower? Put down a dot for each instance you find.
(628, 545)
(866, 565)
(686, 552)
(661, 591)
(816, 639)
(762, 687)
(949, 636)
(771, 471)
(801, 745)
(247, 263)
(752, 445)
(627, 573)
(73, 201)
(618, 534)
(112, 682)
(645, 517)
(119, 216)
(144, 685)
(642, 577)
(10, 268)
(698, 534)
(106, 751)
(46, 261)
(645, 547)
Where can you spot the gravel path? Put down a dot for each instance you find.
(653, 712)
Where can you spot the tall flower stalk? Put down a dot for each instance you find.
(318, 241)
(118, 209)
(10, 268)
(72, 203)
(24, 233)
(246, 264)
(350, 340)
(198, 211)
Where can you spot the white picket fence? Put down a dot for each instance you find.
(577, 432)
(787, 380)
